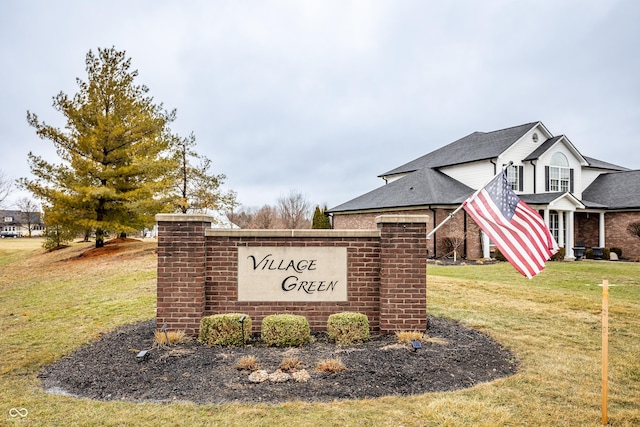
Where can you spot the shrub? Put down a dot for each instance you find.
(559, 256)
(409, 336)
(283, 330)
(224, 329)
(331, 365)
(498, 255)
(290, 364)
(605, 253)
(348, 328)
(618, 252)
(169, 337)
(247, 363)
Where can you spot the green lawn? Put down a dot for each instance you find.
(50, 303)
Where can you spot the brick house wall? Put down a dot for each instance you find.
(617, 236)
(460, 225)
(386, 272)
(586, 229)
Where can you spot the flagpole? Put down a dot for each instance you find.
(452, 214)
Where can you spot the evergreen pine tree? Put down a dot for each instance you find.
(320, 220)
(114, 151)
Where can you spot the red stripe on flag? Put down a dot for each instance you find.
(508, 241)
(524, 240)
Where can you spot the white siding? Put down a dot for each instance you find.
(562, 204)
(589, 175)
(474, 175)
(391, 178)
(521, 150)
(574, 163)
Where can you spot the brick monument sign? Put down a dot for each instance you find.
(313, 273)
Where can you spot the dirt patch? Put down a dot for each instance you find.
(454, 358)
(110, 248)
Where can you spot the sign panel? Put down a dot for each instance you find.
(307, 274)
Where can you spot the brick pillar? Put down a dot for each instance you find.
(181, 271)
(403, 270)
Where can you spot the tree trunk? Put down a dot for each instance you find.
(99, 238)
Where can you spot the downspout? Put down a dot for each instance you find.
(495, 166)
(464, 231)
(434, 226)
(534, 175)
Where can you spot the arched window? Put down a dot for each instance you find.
(559, 159)
(559, 173)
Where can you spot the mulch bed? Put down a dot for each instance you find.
(108, 369)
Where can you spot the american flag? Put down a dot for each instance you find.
(517, 230)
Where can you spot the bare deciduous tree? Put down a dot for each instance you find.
(294, 210)
(265, 217)
(30, 211)
(454, 240)
(634, 229)
(5, 187)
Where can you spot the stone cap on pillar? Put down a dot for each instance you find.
(184, 218)
(401, 219)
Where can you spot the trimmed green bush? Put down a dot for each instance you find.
(348, 328)
(498, 255)
(285, 330)
(559, 256)
(224, 329)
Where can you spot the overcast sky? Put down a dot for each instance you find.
(320, 97)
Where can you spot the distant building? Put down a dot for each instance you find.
(584, 201)
(20, 223)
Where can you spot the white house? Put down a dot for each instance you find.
(583, 200)
(20, 223)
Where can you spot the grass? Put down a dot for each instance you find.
(51, 303)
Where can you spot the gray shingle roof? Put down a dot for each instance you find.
(19, 216)
(473, 147)
(421, 188)
(595, 163)
(423, 184)
(542, 148)
(617, 190)
(539, 198)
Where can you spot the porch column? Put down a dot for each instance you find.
(561, 230)
(546, 216)
(486, 245)
(601, 239)
(570, 244)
